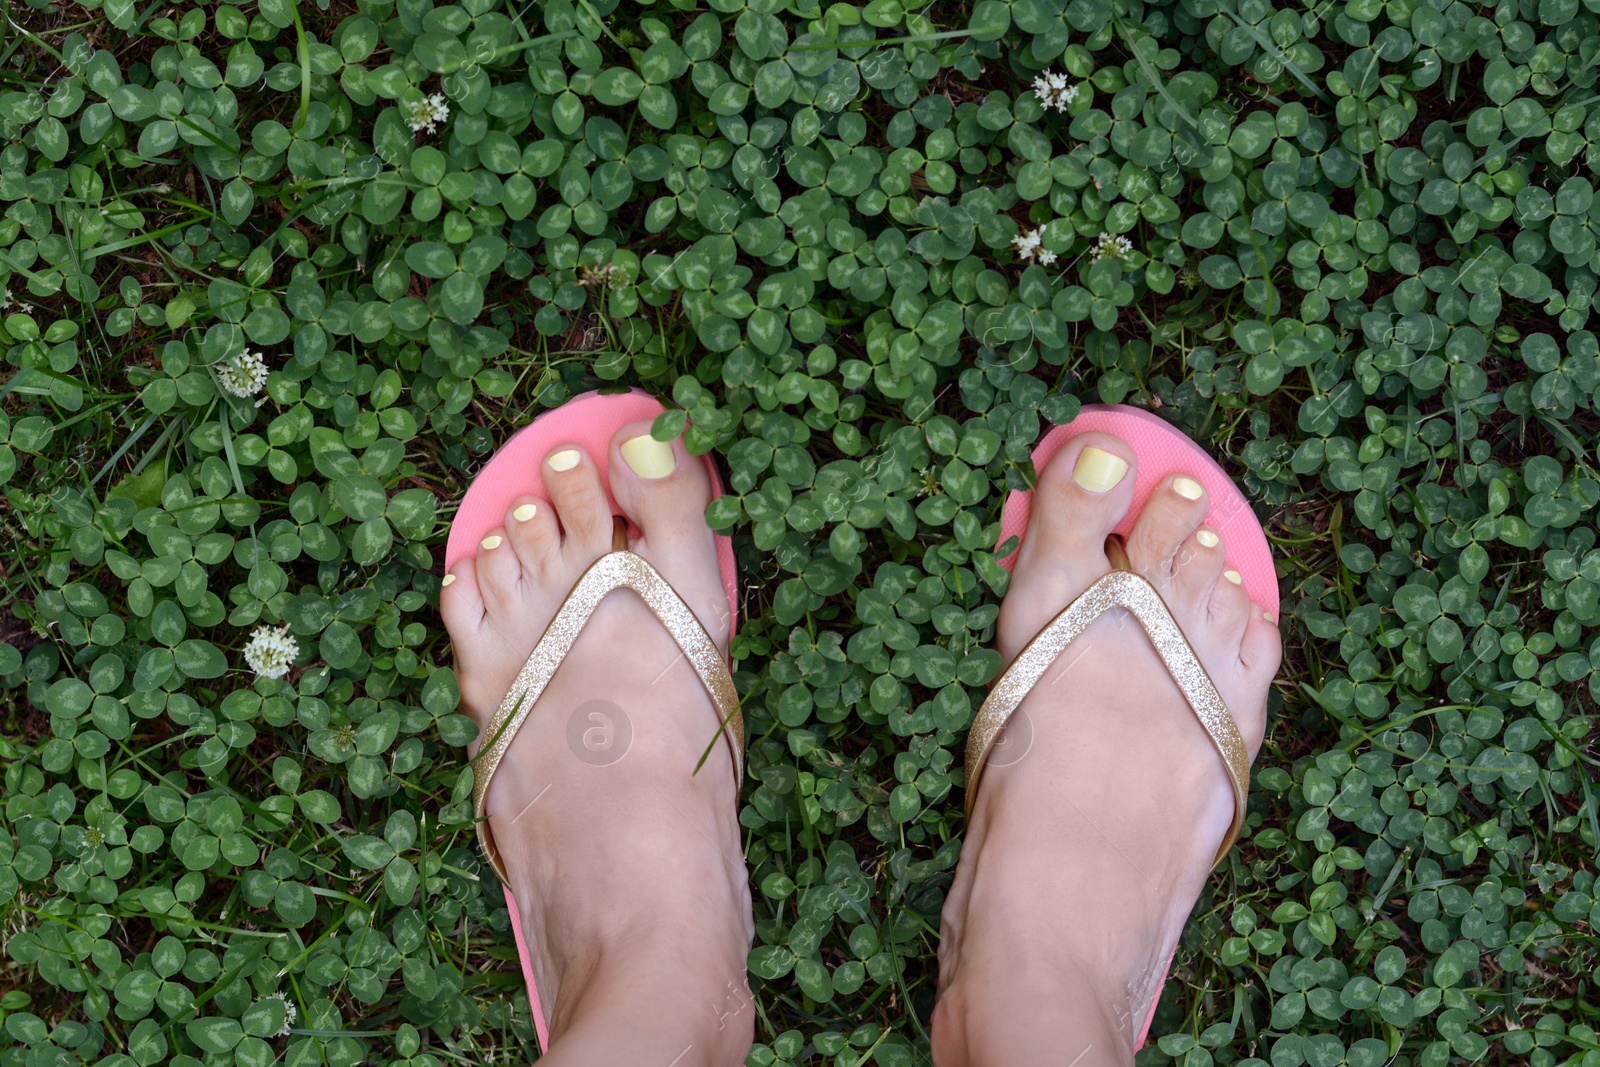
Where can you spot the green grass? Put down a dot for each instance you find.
(1362, 251)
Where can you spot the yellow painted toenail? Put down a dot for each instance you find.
(447, 580)
(648, 457)
(492, 541)
(1207, 538)
(1187, 488)
(564, 460)
(525, 512)
(1268, 616)
(1098, 470)
(1233, 576)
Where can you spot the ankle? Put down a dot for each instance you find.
(1093, 933)
(629, 929)
(1091, 1022)
(666, 991)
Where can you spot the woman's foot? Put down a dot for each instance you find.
(625, 862)
(1105, 801)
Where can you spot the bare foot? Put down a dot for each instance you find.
(1105, 802)
(626, 864)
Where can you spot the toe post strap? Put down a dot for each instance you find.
(620, 569)
(1119, 588)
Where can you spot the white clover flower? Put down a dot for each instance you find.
(607, 277)
(290, 1013)
(1053, 91)
(6, 302)
(1027, 243)
(427, 113)
(1046, 257)
(244, 375)
(270, 652)
(1109, 245)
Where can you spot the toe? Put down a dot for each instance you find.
(1083, 492)
(1170, 517)
(1262, 647)
(658, 485)
(1196, 568)
(460, 602)
(1259, 652)
(499, 573)
(664, 491)
(1230, 608)
(579, 500)
(531, 527)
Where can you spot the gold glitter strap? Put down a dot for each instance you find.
(1118, 589)
(615, 570)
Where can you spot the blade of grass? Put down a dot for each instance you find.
(144, 238)
(302, 51)
(506, 50)
(1155, 79)
(915, 38)
(1273, 51)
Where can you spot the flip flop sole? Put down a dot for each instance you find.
(1163, 452)
(589, 420)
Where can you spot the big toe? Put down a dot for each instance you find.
(1083, 492)
(664, 492)
(662, 488)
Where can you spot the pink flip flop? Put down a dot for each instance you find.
(515, 470)
(1163, 452)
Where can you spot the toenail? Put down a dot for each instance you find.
(525, 512)
(648, 457)
(1233, 576)
(564, 460)
(447, 580)
(492, 541)
(1098, 470)
(1187, 488)
(1207, 538)
(1268, 616)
